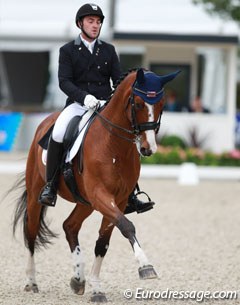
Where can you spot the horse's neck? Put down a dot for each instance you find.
(116, 110)
(116, 113)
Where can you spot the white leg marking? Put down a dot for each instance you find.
(94, 279)
(150, 134)
(30, 271)
(78, 264)
(140, 255)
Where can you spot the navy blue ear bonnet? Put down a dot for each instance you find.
(150, 86)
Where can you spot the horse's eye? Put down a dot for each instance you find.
(139, 106)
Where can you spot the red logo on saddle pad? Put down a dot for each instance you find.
(151, 93)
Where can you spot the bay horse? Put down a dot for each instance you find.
(123, 130)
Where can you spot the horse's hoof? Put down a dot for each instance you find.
(147, 272)
(77, 286)
(33, 288)
(98, 297)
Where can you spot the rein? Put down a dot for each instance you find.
(137, 128)
(108, 125)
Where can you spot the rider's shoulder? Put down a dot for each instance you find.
(106, 45)
(68, 45)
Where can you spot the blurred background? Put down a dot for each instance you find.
(199, 37)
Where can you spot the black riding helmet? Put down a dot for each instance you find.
(87, 10)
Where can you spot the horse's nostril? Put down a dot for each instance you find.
(146, 152)
(149, 152)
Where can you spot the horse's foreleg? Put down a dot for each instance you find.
(101, 248)
(71, 227)
(146, 270)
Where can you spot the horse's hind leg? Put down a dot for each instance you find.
(71, 227)
(36, 231)
(101, 248)
(31, 284)
(22, 212)
(30, 217)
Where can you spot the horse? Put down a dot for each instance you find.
(125, 129)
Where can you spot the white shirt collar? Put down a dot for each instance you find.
(89, 45)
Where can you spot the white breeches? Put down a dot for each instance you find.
(64, 118)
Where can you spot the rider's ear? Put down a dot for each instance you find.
(79, 24)
(140, 76)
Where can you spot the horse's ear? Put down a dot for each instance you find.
(167, 78)
(140, 76)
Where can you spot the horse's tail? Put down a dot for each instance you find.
(44, 234)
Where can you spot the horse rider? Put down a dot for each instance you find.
(86, 66)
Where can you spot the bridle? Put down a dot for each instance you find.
(137, 128)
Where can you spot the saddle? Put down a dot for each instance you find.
(73, 143)
(70, 137)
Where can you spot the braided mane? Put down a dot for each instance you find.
(122, 77)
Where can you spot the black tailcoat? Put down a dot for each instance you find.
(81, 73)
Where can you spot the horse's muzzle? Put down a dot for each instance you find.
(146, 152)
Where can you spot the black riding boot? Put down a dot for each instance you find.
(136, 205)
(48, 194)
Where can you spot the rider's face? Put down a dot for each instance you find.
(91, 26)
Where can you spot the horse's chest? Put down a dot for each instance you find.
(125, 168)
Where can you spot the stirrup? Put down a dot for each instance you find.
(142, 192)
(47, 196)
(146, 206)
(136, 205)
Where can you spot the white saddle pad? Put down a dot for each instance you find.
(82, 129)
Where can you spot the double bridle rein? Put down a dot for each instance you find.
(137, 128)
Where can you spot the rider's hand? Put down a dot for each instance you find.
(90, 101)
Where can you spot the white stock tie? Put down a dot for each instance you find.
(90, 47)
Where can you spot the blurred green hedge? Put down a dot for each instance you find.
(177, 156)
(173, 150)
